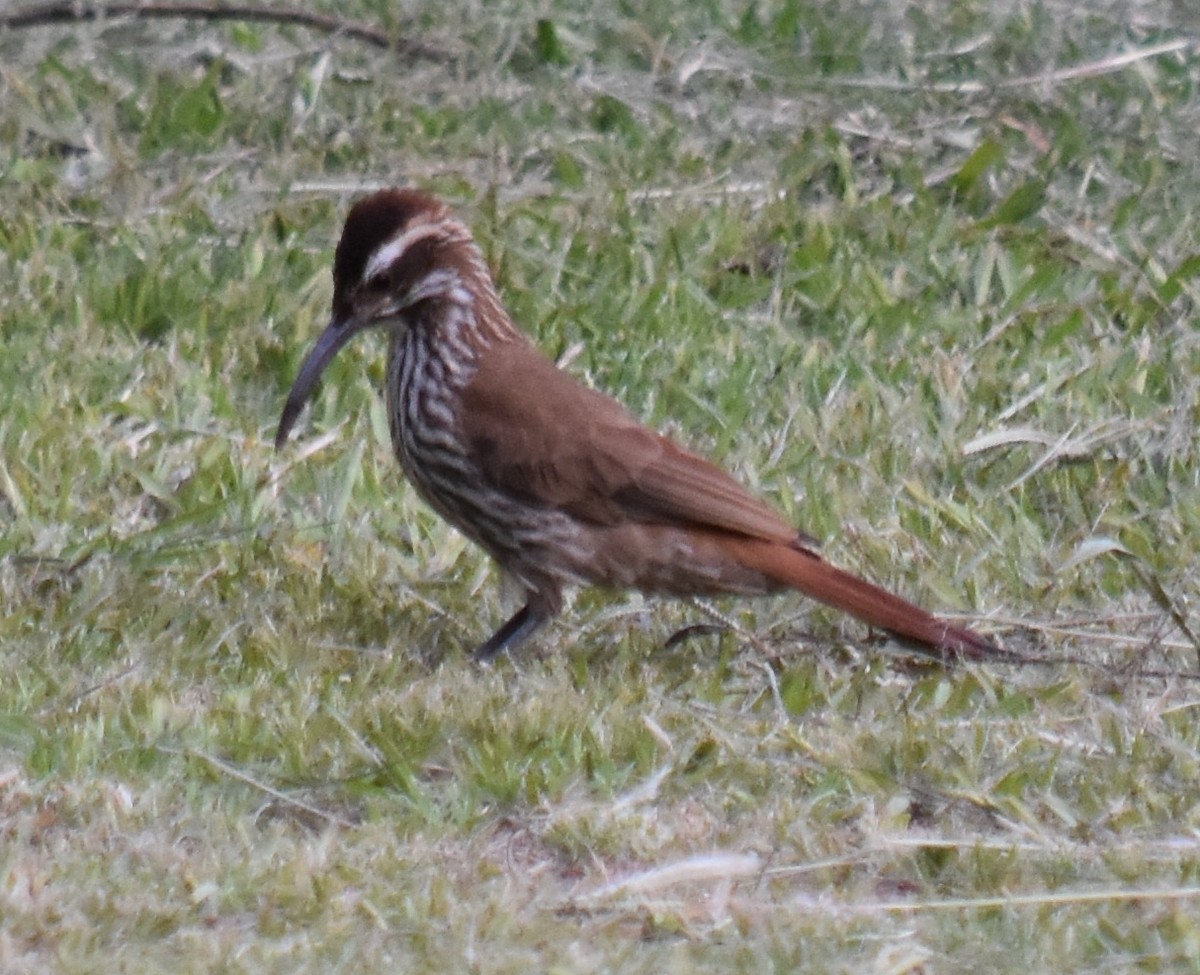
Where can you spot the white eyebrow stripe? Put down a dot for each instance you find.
(386, 254)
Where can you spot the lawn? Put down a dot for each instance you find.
(924, 275)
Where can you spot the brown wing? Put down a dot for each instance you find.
(539, 433)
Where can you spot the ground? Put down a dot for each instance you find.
(923, 275)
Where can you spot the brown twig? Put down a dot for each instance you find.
(70, 11)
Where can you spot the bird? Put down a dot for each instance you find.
(557, 481)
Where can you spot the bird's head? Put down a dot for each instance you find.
(398, 248)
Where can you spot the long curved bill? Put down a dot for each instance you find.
(337, 333)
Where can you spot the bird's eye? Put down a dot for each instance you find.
(378, 282)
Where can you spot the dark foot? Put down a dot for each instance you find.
(511, 635)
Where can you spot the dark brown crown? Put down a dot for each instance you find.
(372, 222)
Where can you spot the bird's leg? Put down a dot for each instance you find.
(512, 634)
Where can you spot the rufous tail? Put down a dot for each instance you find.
(807, 572)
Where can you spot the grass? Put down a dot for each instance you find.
(931, 297)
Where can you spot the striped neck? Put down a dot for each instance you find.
(458, 314)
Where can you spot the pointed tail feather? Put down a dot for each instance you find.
(808, 573)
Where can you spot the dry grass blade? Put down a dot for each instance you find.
(704, 869)
(282, 797)
(1012, 901)
(1049, 78)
